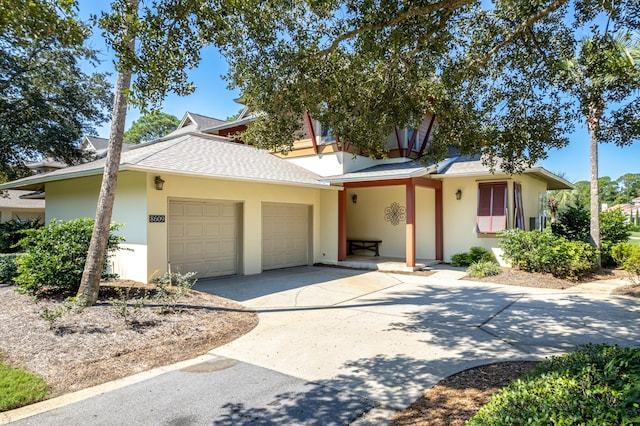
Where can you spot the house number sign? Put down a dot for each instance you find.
(156, 218)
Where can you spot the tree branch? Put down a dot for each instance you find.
(522, 27)
(447, 5)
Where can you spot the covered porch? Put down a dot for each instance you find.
(407, 247)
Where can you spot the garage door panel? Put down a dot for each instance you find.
(203, 237)
(285, 235)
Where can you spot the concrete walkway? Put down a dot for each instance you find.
(334, 344)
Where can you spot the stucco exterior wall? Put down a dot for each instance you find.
(251, 195)
(459, 222)
(366, 220)
(75, 198)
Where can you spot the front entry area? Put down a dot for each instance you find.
(285, 235)
(203, 237)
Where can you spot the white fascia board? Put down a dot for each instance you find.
(229, 178)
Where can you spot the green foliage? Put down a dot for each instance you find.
(52, 315)
(628, 257)
(47, 101)
(596, 385)
(613, 230)
(127, 305)
(572, 224)
(171, 288)
(541, 251)
(151, 126)
(11, 233)
(483, 268)
(8, 267)
(54, 255)
(475, 254)
(19, 387)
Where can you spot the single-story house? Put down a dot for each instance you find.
(196, 200)
(16, 205)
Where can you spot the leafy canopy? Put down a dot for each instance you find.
(46, 101)
(151, 126)
(489, 71)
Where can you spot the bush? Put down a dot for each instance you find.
(483, 268)
(474, 255)
(11, 233)
(613, 230)
(598, 384)
(541, 251)
(628, 257)
(8, 267)
(171, 288)
(573, 224)
(54, 255)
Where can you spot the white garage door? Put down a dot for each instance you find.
(203, 237)
(285, 235)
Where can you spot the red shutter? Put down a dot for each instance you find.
(519, 208)
(492, 207)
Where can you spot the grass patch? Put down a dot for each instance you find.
(19, 387)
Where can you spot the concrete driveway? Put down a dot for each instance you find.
(333, 344)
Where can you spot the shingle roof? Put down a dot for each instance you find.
(191, 154)
(14, 201)
(382, 171)
(204, 122)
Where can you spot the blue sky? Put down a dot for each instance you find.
(212, 98)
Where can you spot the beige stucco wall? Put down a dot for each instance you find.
(137, 198)
(366, 220)
(251, 195)
(459, 221)
(77, 198)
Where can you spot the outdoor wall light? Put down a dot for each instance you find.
(354, 198)
(159, 183)
(458, 194)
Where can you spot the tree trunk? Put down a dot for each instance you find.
(592, 123)
(90, 283)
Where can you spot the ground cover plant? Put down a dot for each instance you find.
(19, 387)
(483, 268)
(595, 385)
(475, 254)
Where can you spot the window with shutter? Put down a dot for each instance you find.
(492, 207)
(518, 213)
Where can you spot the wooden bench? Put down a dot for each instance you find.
(360, 244)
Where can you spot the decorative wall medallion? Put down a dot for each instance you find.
(394, 213)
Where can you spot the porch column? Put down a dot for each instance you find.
(439, 225)
(411, 224)
(342, 224)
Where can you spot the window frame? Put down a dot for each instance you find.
(496, 222)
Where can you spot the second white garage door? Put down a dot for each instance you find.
(285, 235)
(203, 237)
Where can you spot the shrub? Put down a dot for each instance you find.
(598, 384)
(613, 230)
(474, 255)
(483, 268)
(54, 255)
(573, 224)
(172, 287)
(11, 233)
(541, 251)
(628, 257)
(8, 267)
